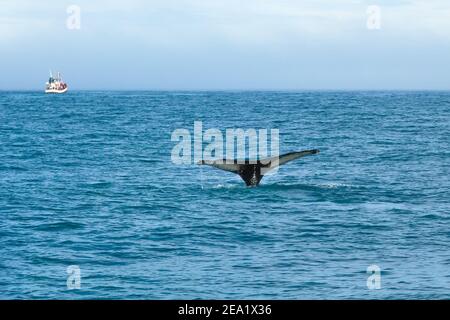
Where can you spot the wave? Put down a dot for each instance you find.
(306, 186)
(59, 226)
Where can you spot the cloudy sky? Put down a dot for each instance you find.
(226, 44)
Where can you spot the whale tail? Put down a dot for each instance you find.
(252, 171)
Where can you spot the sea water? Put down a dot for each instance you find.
(86, 180)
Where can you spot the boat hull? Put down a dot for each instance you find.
(56, 90)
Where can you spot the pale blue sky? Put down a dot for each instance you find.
(226, 44)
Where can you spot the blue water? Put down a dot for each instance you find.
(86, 179)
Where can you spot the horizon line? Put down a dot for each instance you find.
(239, 90)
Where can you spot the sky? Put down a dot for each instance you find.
(226, 44)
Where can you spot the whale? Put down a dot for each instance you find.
(252, 171)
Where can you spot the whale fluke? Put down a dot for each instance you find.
(252, 171)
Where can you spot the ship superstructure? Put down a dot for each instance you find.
(55, 84)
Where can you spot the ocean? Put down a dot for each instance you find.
(87, 181)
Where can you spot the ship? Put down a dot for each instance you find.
(55, 84)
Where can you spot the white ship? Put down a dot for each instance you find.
(55, 84)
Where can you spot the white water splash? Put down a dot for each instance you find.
(332, 185)
(225, 186)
